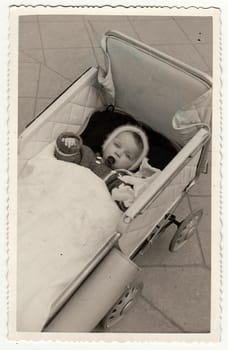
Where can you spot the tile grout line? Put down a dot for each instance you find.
(197, 233)
(86, 25)
(182, 30)
(198, 237)
(48, 67)
(30, 56)
(202, 57)
(162, 313)
(192, 43)
(44, 56)
(54, 71)
(37, 90)
(41, 41)
(132, 27)
(59, 74)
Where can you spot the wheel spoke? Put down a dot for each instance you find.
(122, 305)
(185, 230)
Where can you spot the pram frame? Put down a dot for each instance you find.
(168, 175)
(199, 142)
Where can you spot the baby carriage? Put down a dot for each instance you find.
(138, 80)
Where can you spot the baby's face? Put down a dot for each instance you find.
(123, 149)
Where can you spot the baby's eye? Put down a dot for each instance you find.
(117, 144)
(129, 156)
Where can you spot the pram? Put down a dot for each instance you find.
(163, 93)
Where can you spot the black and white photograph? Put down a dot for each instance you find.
(114, 134)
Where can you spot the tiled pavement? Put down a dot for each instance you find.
(53, 51)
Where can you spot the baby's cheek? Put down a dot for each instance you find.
(122, 164)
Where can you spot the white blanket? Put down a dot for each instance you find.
(65, 215)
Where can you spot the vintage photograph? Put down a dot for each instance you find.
(114, 129)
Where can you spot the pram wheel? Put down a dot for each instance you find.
(186, 230)
(127, 299)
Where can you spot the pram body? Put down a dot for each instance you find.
(151, 86)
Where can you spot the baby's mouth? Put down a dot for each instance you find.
(110, 161)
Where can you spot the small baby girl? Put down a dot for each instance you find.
(122, 152)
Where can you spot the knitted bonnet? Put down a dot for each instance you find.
(133, 129)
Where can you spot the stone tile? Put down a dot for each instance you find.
(186, 53)
(180, 294)
(98, 28)
(198, 29)
(35, 54)
(210, 156)
(25, 112)
(160, 32)
(142, 318)
(25, 58)
(205, 240)
(70, 63)
(51, 84)
(209, 72)
(205, 204)
(29, 18)
(31, 56)
(41, 104)
(29, 36)
(60, 18)
(183, 209)
(100, 57)
(28, 79)
(205, 50)
(150, 18)
(159, 254)
(64, 35)
(203, 185)
(105, 18)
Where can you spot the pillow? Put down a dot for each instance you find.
(189, 119)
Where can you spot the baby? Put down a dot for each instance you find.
(122, 152)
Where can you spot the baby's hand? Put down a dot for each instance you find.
(124, 196)
(69, 141)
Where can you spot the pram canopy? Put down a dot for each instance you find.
(153, 86)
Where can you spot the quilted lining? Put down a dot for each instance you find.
(71, 116)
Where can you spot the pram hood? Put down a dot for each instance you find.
(155, 88)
